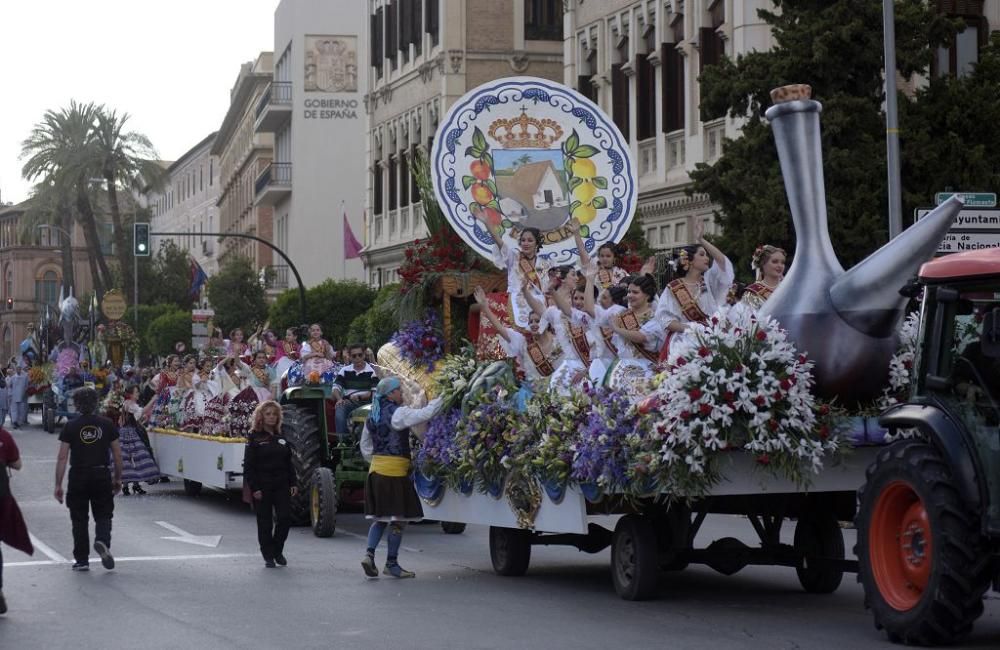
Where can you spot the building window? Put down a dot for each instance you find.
(672, 73)
(47, 289)
(405, 28)
(431, 10)
(960, 56)
(416, 30)
(377, 188)
(414, 187)
(391, 35)
(378, 49)
(646, 92)
(211, 172)
(543, 20)
(393, 187)
(404, 179)
(619, 90)
(9, 283)
(584, 82)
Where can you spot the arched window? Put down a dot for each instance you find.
(8, 342)
(8, 285)
(47, 288)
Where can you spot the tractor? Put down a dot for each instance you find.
(929, 512)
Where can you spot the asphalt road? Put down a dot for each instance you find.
(167, 593)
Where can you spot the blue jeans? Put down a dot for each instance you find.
(343, 414)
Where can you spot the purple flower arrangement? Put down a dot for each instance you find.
(438, 454)
(603, 452)
(484, 441)
(421, 342)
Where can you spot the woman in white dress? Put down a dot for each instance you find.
(610, 302)
(768, 264)
(571, 327)
(705, 277)
(536, 350)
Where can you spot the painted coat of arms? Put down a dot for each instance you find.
(522, 153)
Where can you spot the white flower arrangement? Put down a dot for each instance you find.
(901, 364)
(738, 382)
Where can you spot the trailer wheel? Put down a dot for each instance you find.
(453, 527)
(635, 569)
(510, 550)
(48, 419)
(819, 536)
(192, 488)
(300, 428)
(922, 560)
(323, 503)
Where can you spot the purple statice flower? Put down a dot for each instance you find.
(438, 452)
(420, 341)
(601, 455)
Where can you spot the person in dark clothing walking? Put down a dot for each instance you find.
(87, 442)
(267, 469)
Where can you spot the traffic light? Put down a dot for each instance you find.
(140, 240)
(10, 304)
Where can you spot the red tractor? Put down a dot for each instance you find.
(929, 513)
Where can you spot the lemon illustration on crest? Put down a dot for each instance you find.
(584, 168)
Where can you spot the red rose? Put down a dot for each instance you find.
(704, 351)
(728, 396)
(761, 335)
(772, 425)
(824, 432)
(802, 359)
(695, 394)
(685, 415)
(785, 384)
(824, 410)
(760, 400)
(706, 409)
(681, 361)
(764, 459)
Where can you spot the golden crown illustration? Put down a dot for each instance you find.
(525, 132)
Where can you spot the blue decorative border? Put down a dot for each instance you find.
(623, 183)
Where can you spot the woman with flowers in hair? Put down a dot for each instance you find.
(768, 264)
(705, 275)
(390, 498)
(267, 469)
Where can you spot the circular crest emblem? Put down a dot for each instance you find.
(523, 152)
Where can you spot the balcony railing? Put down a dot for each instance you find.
(277, 174)
(277, 277)
(647, 157)
(277, 93)
(715, 134)
(675, 149)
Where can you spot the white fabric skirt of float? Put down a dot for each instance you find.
(569, 377)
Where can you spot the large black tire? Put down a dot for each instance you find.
(300, 427)
(453, 527)
(635, 568)
(922, 560)
(510, 550)
(818, 535)
(323, 503)
(192, 488)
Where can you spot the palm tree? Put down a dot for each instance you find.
(126, 158)
(60, 149)
(50, 205)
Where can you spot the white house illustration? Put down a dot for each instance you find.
(536, 185)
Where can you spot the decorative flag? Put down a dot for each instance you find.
(352, 248)
(198, 279)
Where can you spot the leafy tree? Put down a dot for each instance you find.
(167, 329)
(59, 149)
(148, 314)
(127, 158)
(835, 46)
(333, 304)
(378, 323)
(949, 139)
(237, 295)
(165, 277)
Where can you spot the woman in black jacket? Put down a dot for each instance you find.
(267, 469)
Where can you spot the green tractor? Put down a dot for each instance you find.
(329, 468)
(929, 517)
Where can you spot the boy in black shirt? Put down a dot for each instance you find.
(86, 442)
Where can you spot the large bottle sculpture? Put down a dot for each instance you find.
(845, 321)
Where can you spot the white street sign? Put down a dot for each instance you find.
(956, 242)
(974, 219)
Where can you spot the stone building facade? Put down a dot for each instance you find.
(425, 54)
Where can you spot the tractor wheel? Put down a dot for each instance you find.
(453, 527)
(300, 428)
(819, 536)
(635, 568)
(323, 503)
(192, 488)
(48, 419)
(921, 558)
(510, 550)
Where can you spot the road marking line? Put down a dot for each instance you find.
(211, 541)
(139, 558)
(50, 552)
(341, 531)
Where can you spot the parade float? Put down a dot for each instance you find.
(746, 416)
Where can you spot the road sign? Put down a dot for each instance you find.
(971, 219)
(956, 242)
(971, 199)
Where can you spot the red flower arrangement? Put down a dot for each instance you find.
(441, 252)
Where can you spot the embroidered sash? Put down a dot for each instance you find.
(689, 306)
(604, 278)
(528, 269)
(578, 336)
(632, 323)
(542, 363)
(760, 289)
(608, 335)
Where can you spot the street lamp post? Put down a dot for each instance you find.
(891, 120)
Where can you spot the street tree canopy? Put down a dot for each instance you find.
(836, 47)
(333, 304)
(236, 295)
